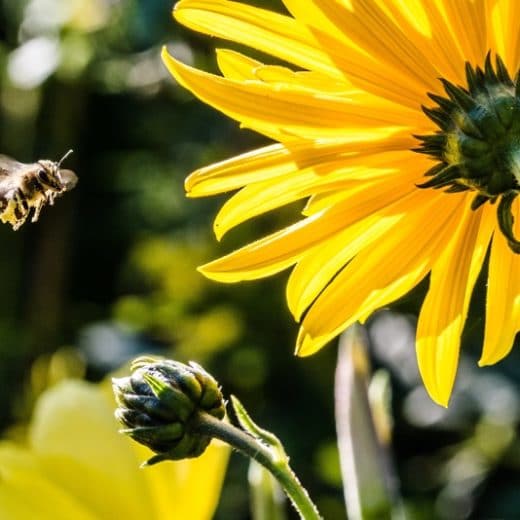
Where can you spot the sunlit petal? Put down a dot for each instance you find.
(502, 302)
(443, 313)
(382, 273)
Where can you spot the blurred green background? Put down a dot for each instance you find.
(109, 272)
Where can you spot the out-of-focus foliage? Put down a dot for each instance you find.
(109, 271)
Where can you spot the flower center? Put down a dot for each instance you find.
(477, 145)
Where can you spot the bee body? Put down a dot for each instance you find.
(29, 187)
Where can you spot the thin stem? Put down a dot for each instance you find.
(206, 424)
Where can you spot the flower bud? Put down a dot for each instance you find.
(159, 401)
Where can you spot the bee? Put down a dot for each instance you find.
(28, 187)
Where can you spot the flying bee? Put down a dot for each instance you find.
(28, 187)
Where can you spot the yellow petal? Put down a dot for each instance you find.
(425, 25)
(382, 272)
(285, 247)
(264, 30)
(374, 211)
(469, 24)
(266, 107)
(185, 489)
(373, 30)
(444, 310)
(312, 15)
(267, 256)
(280, 250)
(237, 66)
(405, 170)
(506, 31)
(364, 70)
(26, 492)
(258, 165)
(503, 299)
(278, 160)
(61, 418)
(316, 269)
(260, 197)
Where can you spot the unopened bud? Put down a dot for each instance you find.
(158, 402)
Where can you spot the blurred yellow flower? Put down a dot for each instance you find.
(77, 466)
(365, 98)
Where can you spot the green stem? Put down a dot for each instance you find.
(206, 424)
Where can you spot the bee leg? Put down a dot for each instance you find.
(37, 208)
(20, 219)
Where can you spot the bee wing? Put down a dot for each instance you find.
(69, 179)
(10, 172)
(9, 165)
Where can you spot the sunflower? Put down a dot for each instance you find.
(398, 126)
